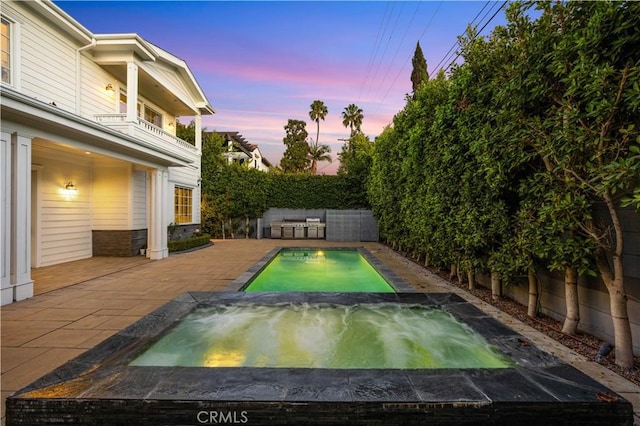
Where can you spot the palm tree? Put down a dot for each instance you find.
(352, 117)
(318, 153)
(318, 112)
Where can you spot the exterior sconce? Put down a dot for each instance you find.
(171, 124)
(109, 89)
(70, 189)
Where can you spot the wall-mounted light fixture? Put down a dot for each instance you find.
(109, 90)
(70, 189)
(171, 124)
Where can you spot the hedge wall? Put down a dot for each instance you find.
(315, 192)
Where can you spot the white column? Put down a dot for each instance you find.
(21, 218)
(198, 122)
(157, 230)
(167, 212)
(6, 291)
(132, 92)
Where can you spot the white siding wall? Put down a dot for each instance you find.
(65, 228)
(47, 60)
(139, 202)
(111, 197)
(93, 97)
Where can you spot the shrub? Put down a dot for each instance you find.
(189, 243)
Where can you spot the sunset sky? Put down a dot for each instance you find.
(262, 63)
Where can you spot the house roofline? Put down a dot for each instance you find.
(146, 50)
(65, 21)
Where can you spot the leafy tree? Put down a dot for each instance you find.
(584, 67)
(505, 171)
(352, 117)
(295, 158)
(318, 152)
(419, 74)
(355, 164)
(383, 186)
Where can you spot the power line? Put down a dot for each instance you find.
(395, 23)
(408, 57)
(478, 33)
(437, 67)
(415, 12)
(374, 54)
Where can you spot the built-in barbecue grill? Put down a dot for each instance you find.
(298, 228)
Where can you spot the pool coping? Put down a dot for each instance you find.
(393, 279)
(99, 385)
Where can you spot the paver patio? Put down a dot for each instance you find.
(79, 304)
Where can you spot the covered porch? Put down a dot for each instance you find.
(74, 188)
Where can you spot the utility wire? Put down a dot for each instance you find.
(374, 53)
(408, 57)
(455, 44)
(478, 33)
(386, 46)
(415, 12)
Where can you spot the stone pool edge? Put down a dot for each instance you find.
(99, 384)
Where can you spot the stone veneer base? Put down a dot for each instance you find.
(118, 243)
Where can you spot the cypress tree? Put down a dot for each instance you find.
(419, 73)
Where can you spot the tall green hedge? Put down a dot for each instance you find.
(235, 193)
(314, 192)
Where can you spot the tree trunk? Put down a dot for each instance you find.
(472, 278)
(496, 290)
(246, 227)
(572, 318)
(614, 280)
(618, 305)
(223, 233)
(532, 307)
(453, 273)
(426, 260)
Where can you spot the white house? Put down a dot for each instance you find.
(238, 149)
(89, 161)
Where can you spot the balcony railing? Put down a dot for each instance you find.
(144, 130)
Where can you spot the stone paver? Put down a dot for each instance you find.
(78, 305)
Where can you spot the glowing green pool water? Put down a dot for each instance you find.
(322, 336)
(319, 270)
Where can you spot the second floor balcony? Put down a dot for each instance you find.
(148, 133)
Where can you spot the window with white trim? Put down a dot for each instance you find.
(6, 52)
(123, 104)
(152, 116)
(183, 212)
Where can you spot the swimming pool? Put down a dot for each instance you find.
(319, 270)
(312, 269)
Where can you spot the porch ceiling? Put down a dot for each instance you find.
(152, 89)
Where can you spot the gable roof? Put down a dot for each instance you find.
(242, 144)
(111, 49)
